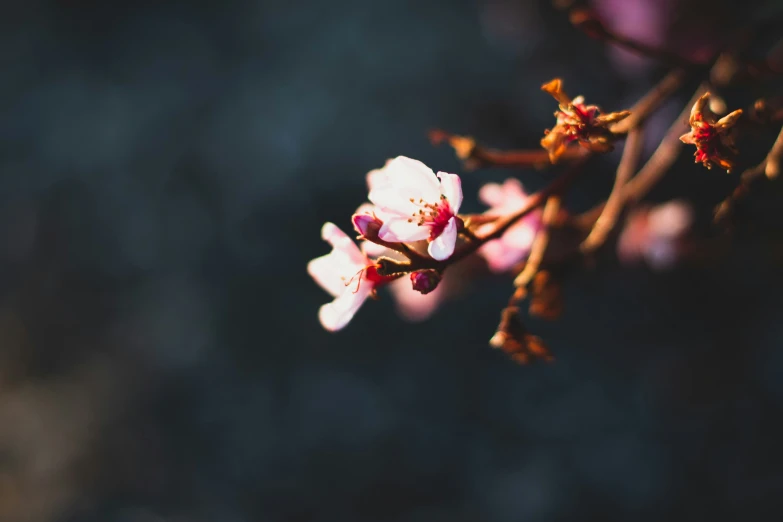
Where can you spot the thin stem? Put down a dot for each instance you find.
(769, 168)
(476, 156)
(615, 202)
(586, 20)
(643, 108)
(540, 243)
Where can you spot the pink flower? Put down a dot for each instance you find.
(503, 253)
(655, 234)
(417, 205)
(347, 274)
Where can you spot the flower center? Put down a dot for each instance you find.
(433, 215)
(371, 275)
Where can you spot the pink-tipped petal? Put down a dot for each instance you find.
(451, 187)
(443, 246)
(335, 315)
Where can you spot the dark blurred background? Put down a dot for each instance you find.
(165, 168)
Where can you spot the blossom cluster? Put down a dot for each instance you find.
(411, 228)
(411, 209)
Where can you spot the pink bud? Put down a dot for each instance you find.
(367, 225)
(425, 281)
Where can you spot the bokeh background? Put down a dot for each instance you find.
(165, 168)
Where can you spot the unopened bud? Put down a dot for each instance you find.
(367, 225)
(425, 281)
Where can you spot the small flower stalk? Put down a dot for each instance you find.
(577, 122)
(713, 137)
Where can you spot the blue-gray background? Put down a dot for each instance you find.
(165, 168)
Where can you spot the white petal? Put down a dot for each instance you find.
(400, 181)
(335, 315)
(342, 243)
(373, 249)
(395, 200)
(400, 229)
(327, 272)
(405, 171)
(443, 246)
(332, 270)
(451, 187)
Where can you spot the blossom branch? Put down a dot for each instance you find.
(538, 249)
(647, 105)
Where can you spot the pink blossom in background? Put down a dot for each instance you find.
(645, 20)
(655, 234)
(512, 247)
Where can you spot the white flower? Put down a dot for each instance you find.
(416, 204)
(347, 274)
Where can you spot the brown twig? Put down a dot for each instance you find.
(585, 19)
(615, 202)
(475, 156)
(769, 168)
(643, 108)
(540, 243)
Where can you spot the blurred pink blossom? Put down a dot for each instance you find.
(655, 234)
(503, 253)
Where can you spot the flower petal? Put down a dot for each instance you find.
(343, 261)
(332, 234)
(499, 257)
(443, 246)
(451, 187)
(335, 315)
(401, 180)
(400, 229)
(491, 194)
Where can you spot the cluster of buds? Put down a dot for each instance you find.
(577, 122)
(713, 137)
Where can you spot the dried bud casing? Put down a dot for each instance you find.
(512, 337)
(546, 300)
(425, 281)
